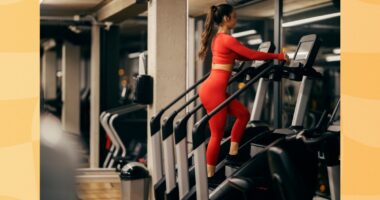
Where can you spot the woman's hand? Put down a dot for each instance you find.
(286, 57)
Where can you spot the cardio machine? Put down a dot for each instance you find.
(186, 173)
(286, 162)
(255, 171)
(165, 187)
(112, 121)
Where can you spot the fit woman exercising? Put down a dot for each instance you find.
(225, 49)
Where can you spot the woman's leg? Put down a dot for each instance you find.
(211, 95)
(242, 115)
(217, 124)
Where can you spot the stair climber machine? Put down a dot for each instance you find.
(252, 180)
(186, 174)
(165, 186)
(296, 179)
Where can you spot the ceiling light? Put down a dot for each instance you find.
(332, 58)
(49, 44)
(41, 1)
(255, 41)
(310, 20)
(75, 29)
(76, 18)
(244, 33)
(336, 51)
(134, 55)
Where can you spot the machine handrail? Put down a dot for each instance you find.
(167, 125)
(155, 120)
(131, 109)
(336, 109)
(120, 108)
(198, 135)
(180, 126)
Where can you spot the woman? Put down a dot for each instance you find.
(225, 49)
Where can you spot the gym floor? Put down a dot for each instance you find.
(98, 191)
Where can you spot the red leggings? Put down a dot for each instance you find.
(213, 92)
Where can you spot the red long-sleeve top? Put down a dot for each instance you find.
(226, 49)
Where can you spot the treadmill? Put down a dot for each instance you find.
(299, 69)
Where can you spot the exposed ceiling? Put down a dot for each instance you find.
(134, 30)
(70, 7)
(262, 8)
(266, 8)
(200, 7)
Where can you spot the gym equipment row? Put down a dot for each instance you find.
(165, 186)
(118, 154)
(191, 179)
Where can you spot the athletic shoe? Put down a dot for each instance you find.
(234, 160)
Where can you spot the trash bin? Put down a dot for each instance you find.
(135, 181)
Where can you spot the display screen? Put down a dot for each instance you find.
(264, 49)
(304, 50)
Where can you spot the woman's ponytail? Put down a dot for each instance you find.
(214, 16)
(206, 35)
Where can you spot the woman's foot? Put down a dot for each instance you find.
(214, 181)
(234, 160)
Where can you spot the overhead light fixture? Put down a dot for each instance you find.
(75, 29)
(59, 74)
(336, 51)
(41, 1)
(134, 55)
(332, 58)
(76, 18)
(107, 25)
(310, 20)
(244, 33)
(255, 41)
(49, 44)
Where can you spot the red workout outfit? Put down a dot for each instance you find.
(225, 49)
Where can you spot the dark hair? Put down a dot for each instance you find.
(214, 15)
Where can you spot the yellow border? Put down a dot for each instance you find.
(19, 122)
(360, 93)
(19, 99)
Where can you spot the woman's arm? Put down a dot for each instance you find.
(245, 53)
(242, 58)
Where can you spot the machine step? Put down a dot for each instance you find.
(230, 169)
